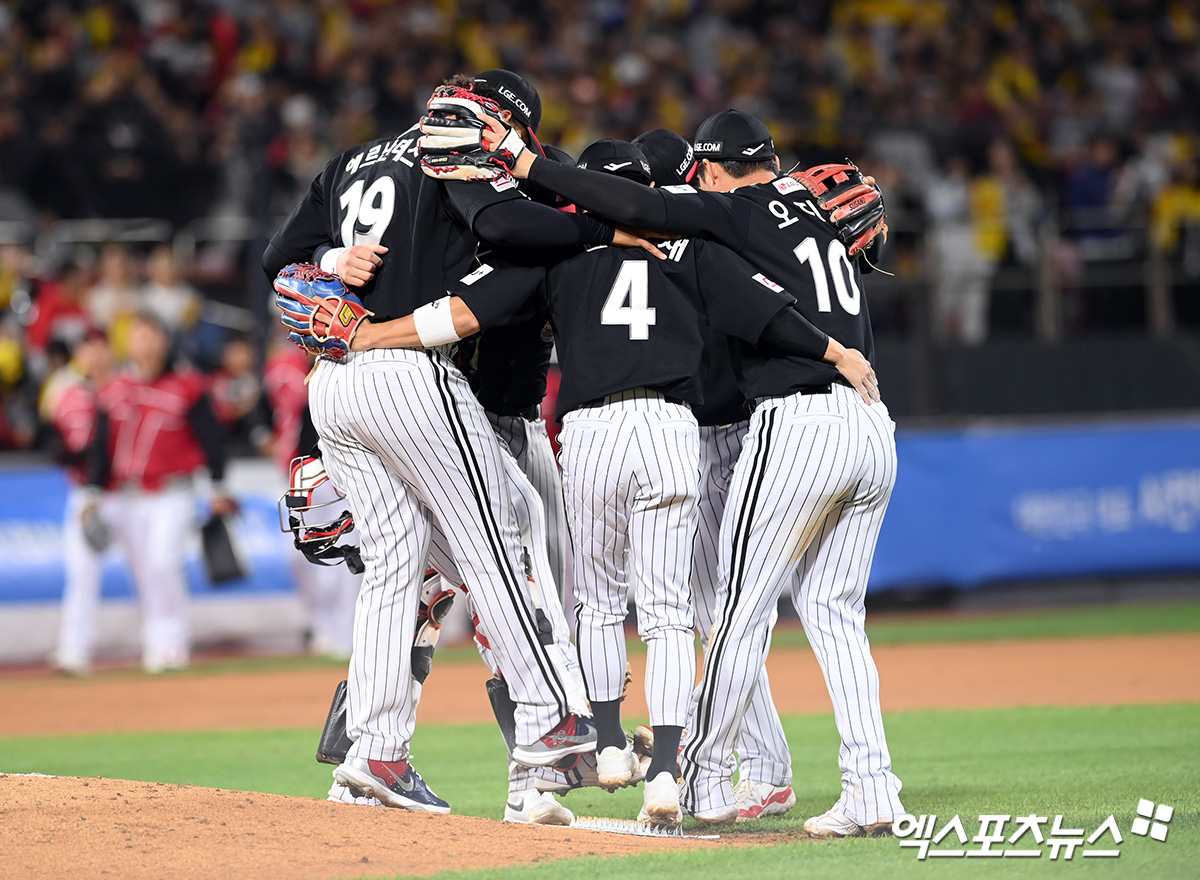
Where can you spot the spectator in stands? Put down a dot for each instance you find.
(116, 296)
(964, 221)
(176, 303)
(60, 310)
(238, 400)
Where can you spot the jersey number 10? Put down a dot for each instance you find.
(631, 285)
(848, 295)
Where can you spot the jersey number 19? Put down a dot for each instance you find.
(631, 285)
(372, 209)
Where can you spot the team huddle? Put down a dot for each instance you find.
(723, 442)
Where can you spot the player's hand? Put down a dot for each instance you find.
(356, 265)
(625, 238)
(856, 369)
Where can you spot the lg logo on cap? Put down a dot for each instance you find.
(508, 93)
(709, 146)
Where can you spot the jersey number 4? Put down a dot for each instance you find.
(848, 295)
(631, 285)
(372, 209)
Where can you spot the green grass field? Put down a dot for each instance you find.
(1082, 763)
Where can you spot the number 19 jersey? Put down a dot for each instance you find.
(376, 193)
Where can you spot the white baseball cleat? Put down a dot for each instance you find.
(660, 803)
(717, 816)
(617, 768)
(536, 808)
(758, 799)
(340, 794)
(835, 824)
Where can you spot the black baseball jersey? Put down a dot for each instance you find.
(724, 402)
(624, 319)
(777, 228)
(376, 193)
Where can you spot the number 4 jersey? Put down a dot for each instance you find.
(624, 319)
(776, 227)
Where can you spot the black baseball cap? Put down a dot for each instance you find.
(733, 136)
(515, 95)
(671, 159)
(617, 157)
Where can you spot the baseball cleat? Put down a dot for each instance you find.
(717, 816)
(536, 808)
(339, 794)
(755, 800)
(660, 802)
(573, 735)
(617, 768)
(835, 824)
(394, 783)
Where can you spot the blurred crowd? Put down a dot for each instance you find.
(985, 122)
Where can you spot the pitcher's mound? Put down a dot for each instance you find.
(82, 828)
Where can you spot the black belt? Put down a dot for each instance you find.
(803, 392)
(633, 394)
(529, 414)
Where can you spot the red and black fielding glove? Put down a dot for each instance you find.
(463, 137)
(301, 291)
(855, 206)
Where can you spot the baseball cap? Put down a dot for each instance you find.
(670, 156)
(515, 95)
(617, 157)
(733, 136)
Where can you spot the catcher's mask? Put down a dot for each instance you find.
(318, 541)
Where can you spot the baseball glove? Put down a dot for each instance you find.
(463, 137)
(301, 291)
(855, 206)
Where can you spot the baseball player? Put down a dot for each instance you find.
(507, 368)
(628, 438)
(410, 446)
(812, 484)
(154, 431)
(68, 404)
(763, 758)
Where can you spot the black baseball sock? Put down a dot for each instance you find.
(666, 751)
(607, 715)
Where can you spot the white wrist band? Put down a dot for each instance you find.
(435, 324)
(329, 261)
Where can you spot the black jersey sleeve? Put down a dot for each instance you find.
(789, 332)
(497, 289)
(304, 230)
(526, 224)
(738, 300)
(677, 210)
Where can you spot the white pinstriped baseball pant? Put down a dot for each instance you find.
(629, 479)
(762, 748)
(808, 498)
(404, 438)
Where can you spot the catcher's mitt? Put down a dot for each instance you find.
(463, 137)
(307, 296)
(855, 206)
